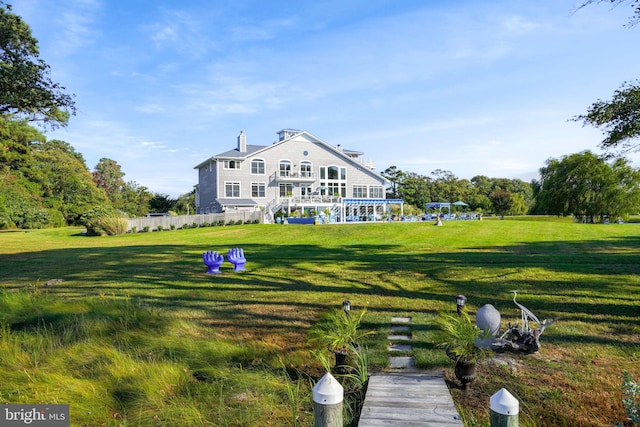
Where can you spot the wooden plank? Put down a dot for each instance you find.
(408, 399)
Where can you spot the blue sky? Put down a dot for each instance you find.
(472, 87)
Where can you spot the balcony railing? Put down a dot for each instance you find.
(295, 200)
(291, 176)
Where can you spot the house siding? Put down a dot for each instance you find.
(207, 182)
(301, 147)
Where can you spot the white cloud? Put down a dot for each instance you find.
(76, 24)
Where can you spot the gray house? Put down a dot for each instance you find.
(299, 174)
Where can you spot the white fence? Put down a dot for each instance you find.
(166, 222)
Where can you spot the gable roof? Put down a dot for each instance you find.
(256, 149)
(236, 154)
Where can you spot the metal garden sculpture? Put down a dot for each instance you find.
(213, 261)
(236, 257)
(520, 337)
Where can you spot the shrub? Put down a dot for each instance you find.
(134, 229)
(113, 225)
(185, 226)
(239, 222)
(230, 222)
(194, 225)
(172, 227)
(205, 224)
(631, 398)
(102, 220)
(146, 229)
(220, 223)
(160, 228)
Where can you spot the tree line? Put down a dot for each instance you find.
(502, 196)
(45, 183)
(588, 187)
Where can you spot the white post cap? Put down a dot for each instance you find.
(328, 391)
(504, 403)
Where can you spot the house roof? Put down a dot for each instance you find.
(235, 153)
(253, 149)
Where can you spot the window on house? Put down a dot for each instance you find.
(257, 167)
(286, 190)
(232, 190)
(305, 189)
(360, 191)
(305, 169)
(333, 188)
(376, 192)
(343, 174)
(258, 189)
(285, 168)
(231, 164)
(332, 172)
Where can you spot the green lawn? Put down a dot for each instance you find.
(138, 334)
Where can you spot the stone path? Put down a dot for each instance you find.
(405, 395)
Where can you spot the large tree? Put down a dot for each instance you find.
(108, 175)
(619, 118)
(502, 201)
(135, 199)
(66, 183)
(396, 177)
(26, 90)
(586, 186)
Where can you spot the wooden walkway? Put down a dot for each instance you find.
(406, 396)
(408, 399)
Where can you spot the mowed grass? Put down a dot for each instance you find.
(137, 333)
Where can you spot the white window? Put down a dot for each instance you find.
(286, 190)
(257, 167)
(258, 189)
(231, 164)
(285, 168)
(305, 189)
(232, 190)
(360, 191)
(333, 188)
(305, 169)
(376, 192)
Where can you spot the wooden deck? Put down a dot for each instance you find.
(408, 399)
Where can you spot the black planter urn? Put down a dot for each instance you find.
(465, 373)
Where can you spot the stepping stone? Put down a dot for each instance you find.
(399, 337)
(400, 347)
(401, 320)
(400, 328)
(401, 362)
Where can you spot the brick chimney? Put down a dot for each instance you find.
(242, 142)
